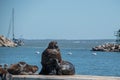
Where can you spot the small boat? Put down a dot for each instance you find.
(18, 42)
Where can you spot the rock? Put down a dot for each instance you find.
(4, 42)
(52, 63)
(108, 47)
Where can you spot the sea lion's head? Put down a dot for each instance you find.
(53, 45)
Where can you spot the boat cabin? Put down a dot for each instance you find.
(117, 34)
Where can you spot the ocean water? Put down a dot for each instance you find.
(86, 62)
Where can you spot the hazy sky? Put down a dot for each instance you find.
(61, 19)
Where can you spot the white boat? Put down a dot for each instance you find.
(19, 42)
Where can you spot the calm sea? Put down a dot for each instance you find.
(78, 52)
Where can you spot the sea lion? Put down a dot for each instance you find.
(66, 68)
(22, 68)
(51, 52)
(52, 63)
(4, 74)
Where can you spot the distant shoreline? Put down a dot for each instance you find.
(68, 39)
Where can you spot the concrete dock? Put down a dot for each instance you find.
(63, 77)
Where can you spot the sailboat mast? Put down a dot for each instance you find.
(13, 23)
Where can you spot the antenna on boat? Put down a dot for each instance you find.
(13, 23)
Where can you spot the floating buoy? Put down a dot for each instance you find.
(37, 52)
(69, 53)
(94, 54)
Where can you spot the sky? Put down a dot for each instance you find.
(61, 19)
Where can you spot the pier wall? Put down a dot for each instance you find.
(65, 77)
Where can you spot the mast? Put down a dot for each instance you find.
(11, 29)
(13, 23)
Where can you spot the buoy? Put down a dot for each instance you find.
(69, 53)
(37, 52)
(94, 54)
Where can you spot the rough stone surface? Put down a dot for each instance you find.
(4, 42)
(108, 47)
